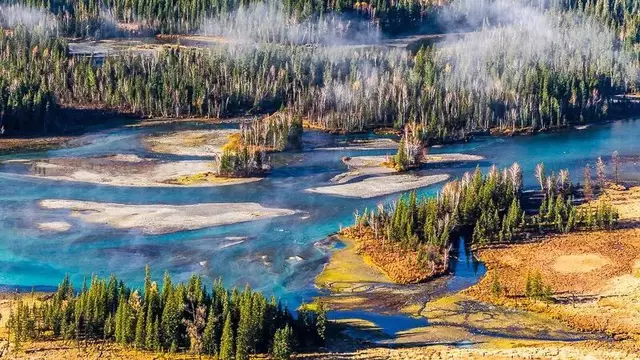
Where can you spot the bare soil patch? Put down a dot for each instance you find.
(190, 143)
(570, 264)
(133, 171)
(379, 186)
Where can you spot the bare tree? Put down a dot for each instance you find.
(601, 169)
(539, 173)
(195, 327)
(563, 180)
(515, 172)
(588, 191)
(615, 159)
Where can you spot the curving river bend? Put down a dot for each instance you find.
(278, 256)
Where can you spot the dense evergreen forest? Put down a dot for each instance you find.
(487, 208)
(184, 317)
(335, 89)
(508, 76)
(85, 17)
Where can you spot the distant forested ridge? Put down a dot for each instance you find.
(84, 17)
(345, 89)
(539, 68)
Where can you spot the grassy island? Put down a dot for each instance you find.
(411, 240)
(244, 155)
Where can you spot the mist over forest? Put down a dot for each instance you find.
(486, 64)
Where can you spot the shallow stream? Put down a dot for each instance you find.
(279, 256)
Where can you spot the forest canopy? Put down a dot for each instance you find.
(226, 324)
(545, 65)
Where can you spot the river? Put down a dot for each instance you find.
(278, 256)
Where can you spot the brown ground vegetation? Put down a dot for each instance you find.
(32, 144)
(399, 264)
(63, 350)
(594, 276)
(524, 350)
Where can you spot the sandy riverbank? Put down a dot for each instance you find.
(161, 219)
(190, 142)
(354, 282)
(32, 144)
(379, 186)
(363, 166)
(133, 171)
(594, 276)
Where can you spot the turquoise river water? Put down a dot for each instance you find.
(279, 256)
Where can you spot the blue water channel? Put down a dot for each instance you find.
(278, 256)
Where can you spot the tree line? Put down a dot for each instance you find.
(335, 89)
(88, 17)
(226, 324)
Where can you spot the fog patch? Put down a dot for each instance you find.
(515, 36)
(37, 20)
(269, 22)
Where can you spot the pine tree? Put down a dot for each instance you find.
(321, 323)
(120, 332)
(210, 346)
(153, 342)
(496, 287)
(149, 340)
(171, 319)
(542, 211)
(140, 330)
(147, 285)
(167, 288)
(282, 348)
(227, 341)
